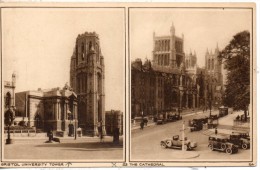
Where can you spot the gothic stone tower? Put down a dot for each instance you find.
(168, 51)
(87, 75)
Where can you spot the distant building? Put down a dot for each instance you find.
(87, 78)
(214, 77)
(54, 109)
(9, 93)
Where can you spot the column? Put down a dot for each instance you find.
(65, 110)
(181, 94)
(53, 111)
(198, 102)
(56, 111)
(193, 100)
(187, 98)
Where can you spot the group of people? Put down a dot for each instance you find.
(241, 118)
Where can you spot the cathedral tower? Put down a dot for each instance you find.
(87, 77)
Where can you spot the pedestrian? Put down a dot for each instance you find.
(101, 136)
(216, 131)
(142, 125)
(50, 135)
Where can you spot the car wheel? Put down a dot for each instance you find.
(211, 147)
(229, 150)
(244, 146)
(223, 146)
(168, 143)
(163, 145)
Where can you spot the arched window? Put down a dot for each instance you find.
(82, 51)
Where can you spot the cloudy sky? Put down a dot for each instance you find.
(38, 44)
(202, 28)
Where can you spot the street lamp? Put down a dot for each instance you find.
(9, 118)
(210, 105)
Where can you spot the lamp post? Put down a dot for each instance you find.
(210, 103)
(75, 119)
(9, 118)
(183, 135)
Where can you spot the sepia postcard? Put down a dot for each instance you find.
(128, 84)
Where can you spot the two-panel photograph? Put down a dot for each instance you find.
(128, 85)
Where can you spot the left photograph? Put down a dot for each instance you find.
(63, 84)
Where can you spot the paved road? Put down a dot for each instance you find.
(145, 144)
(69, 149)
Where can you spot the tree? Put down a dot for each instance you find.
(236, 59)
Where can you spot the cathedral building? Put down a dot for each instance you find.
(173, 80)
(87, 78)
(164, 83)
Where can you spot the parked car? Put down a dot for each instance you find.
(197, 124)
(221, 143)
(174, 116)
(237, 139)
(223, 111)
(213, 117)
(176, 142)
(243, 134)
(160, 119)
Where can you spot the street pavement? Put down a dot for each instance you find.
(145, 144)
(69, 149)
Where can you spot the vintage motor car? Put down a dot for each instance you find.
(223, 111)
(197, 124)
(174, 116)
(176, 143)
(160, 119)
(237, 139)
(243, 134)
(221, 143)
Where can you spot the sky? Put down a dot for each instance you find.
(38, 44)
(202, 28)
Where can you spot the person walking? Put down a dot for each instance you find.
(50, 135)
(142, 125)
(216, 131)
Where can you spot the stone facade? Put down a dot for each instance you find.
(168, 51)
(87, 78)
(54, 109)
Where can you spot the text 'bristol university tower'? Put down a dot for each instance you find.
(87, 80)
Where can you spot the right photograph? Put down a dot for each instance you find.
(191, 84)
